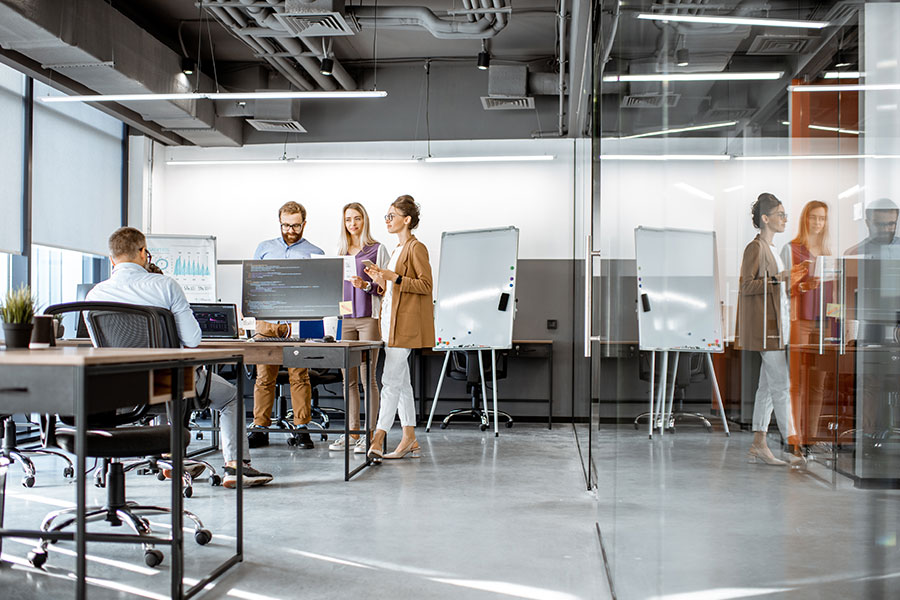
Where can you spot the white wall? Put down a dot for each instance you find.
(238, 203)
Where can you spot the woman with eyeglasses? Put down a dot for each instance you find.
(807, 294)
(407, 321)
(362, 322)
(763, 326)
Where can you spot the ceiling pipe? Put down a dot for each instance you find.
(467, 5)
(501, 18)
(401, 17)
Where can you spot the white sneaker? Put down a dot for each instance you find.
(360, 446)
(338, 444)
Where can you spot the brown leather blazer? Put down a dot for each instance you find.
(412, 307)
(759, 300)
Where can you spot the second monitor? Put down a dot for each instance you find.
(304, 288)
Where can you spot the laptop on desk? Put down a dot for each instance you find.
(217, 321)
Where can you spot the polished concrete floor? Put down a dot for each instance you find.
(475, 517)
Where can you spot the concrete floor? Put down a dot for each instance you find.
(476, 517)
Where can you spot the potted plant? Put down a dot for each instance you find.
(17, 312)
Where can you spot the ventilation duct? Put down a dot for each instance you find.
(279, 116)
(513, 87)
(316, 18)
(485, 25)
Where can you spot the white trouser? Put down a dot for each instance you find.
(223, 398)
(773, 394)
(396, 390)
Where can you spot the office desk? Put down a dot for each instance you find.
(520, 349)
(312, 355)
(80, 381)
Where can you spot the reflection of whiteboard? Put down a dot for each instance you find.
(677, 279)
(190, 260)
(477, 269)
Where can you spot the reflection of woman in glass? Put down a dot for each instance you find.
(762, 302)
(807, 381)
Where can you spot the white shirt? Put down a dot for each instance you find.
(132, 284)
(388, 297)
(785, 303)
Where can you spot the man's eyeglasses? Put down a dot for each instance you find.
(149, 256)
(295, 227)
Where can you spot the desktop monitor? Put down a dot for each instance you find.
(217, 321)
(874, 284)
(302, 288)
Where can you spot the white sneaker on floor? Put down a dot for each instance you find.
(338, 444)
(360, 446)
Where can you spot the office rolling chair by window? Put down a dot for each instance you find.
(464, 366)
(122, 326)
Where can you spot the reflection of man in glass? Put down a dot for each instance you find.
(881, 220)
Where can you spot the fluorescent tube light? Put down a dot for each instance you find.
(448, 159)
(662, 157)
(718, 76)
(679, 130)
(850, 87)
(288, 161)
(286, 95)
(735, 21)
(842, 75)
(839, 65)
(834, 129)
(812, 157)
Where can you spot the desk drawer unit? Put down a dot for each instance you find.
(314, 357)
(44, 389)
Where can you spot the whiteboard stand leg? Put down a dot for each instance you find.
(668, 417)
(661, 398)
(437, 392)
(486, 416)
(715, 386)
(652, 388)
(494, 381)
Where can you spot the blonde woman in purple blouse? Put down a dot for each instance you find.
(362, 322)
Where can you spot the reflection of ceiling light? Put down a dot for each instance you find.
(842, 75)
(849, 192)
(288, 161)
(679, 130)
(718, 76)
(786, 123)
(447, 159)
(733, 188)
(734, 21)
(693, 191)
(839, 65)
(286, 95)
(834, 129)
(663, 157)
(813, 157)
(850, 87)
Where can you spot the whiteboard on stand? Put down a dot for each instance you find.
(476, 290)
(678, 290)
(188, 259)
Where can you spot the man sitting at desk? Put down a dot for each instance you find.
(131, 283)
(881, 221)
(291, 244)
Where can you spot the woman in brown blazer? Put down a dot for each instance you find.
(763, 326)
(407, 321)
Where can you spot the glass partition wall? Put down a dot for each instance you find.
(782, 144)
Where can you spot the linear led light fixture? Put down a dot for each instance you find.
(663, 157)
(679, 130)
(735, 21)
(287, 95)
(814, 157)
(457, 159)
(289, 161)
(718, 76)
(834, 129)
(842, 75)
(852, 87)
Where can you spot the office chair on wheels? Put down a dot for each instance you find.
(13, 453)
(464, 367)
(691, 369)
(113, 436)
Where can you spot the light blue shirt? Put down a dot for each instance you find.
(278, 248)
(132, 284)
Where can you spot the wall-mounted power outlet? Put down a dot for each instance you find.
(551, 324)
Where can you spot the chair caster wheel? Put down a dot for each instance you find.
(153, 557)
(187, 492)
(28, 481)
(635, 426)
(292, 442)
(215, 480)
(37, 558)
(483, 427)
(199, 436)
(202, 536)
(69, 472)
(509, 424)
(324, 437)
(160, 476)
(443, 426)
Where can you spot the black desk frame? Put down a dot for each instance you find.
(176, 541)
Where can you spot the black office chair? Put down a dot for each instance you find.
(283, 413)
(464, 367)
(121, 326)
(13, 454)
(691, 369)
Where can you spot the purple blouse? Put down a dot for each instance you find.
(362, 300)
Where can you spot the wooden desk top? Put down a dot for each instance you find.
(86, 357)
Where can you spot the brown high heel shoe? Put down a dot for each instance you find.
(412, 449)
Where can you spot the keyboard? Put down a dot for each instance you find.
(265, 338)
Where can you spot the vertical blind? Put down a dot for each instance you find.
(77, 175)
(12, 158)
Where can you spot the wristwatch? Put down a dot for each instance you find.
(368, 286)
(399, 279)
